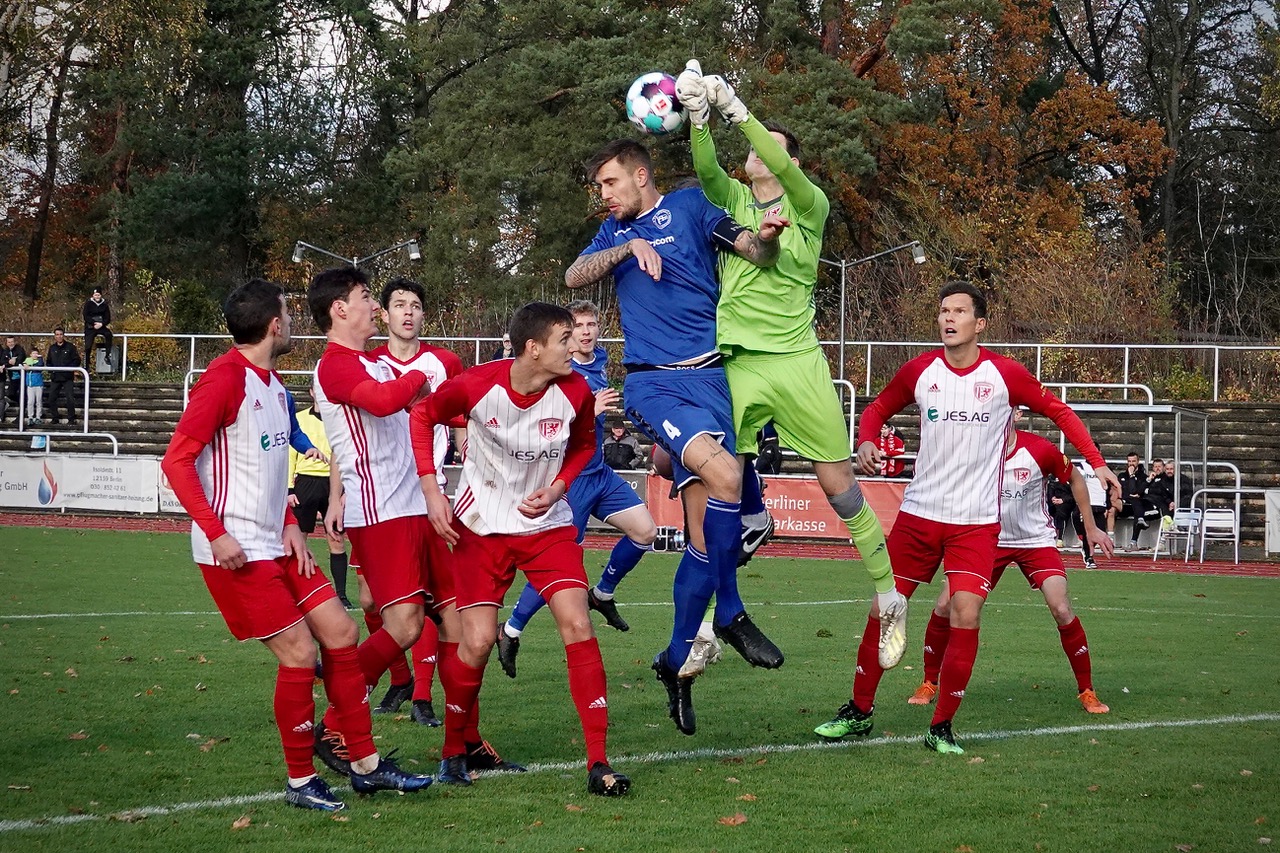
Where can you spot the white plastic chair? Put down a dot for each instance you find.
(1219, 525)
(1186, 524)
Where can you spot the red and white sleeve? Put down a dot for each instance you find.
(448, 404)
(896, 396)
(213, 404)
(344, 380)
(1026, 390)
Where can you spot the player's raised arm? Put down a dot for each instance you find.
(345, 381)
(760, 248)
(594, 266)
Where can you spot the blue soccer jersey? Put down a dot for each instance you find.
(672, 319)
(593, 372)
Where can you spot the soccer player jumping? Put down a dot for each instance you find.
(951, 510)
(228, 465)
(530, 430)
(661, 251)
(765, 325)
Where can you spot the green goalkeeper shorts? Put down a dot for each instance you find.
(794, 390)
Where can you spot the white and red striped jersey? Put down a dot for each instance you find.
(516, 444)
(438, 364)
(240, 415)
(1024, 500)
(363, 405)
(965, 418)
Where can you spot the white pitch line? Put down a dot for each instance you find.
(667, 756)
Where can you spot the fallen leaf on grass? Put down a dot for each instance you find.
(1197, 787)
(977, 760)
(71, 671)
(241, 822)
(1093, 789)
(1184, 848)
(194, 736)
(1264, 840)
(1242, 633)
(102, 747)
(1198, 595)
(200, 688)
(13, 692)
(748, 798)
(212, 742)
(1246, 772)
(732, 780)
(760, 761)
(570, 807)
(340, 818)
(80, 735)
(129, 817)
(964, 848)
(734, 820)
(19, 787)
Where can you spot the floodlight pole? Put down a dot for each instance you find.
(845, 266)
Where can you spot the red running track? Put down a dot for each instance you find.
(801, 550)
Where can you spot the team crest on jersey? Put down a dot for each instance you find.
(661, 218)
(549, 428)
(284, 407)
(776, 210)
(1021, 475)
(983, 391)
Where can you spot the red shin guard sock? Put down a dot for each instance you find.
(461, 685)
(424, 660)
(295, 709)
(398, 666)
(1076, 645)
(348, 700)
(377, 653)
(935, 645)
(957, 667)
(866, 679)
(588, 687)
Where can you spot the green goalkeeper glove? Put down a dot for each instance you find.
(692, 92)
(722, 97)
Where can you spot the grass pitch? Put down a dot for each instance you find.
(132, 721)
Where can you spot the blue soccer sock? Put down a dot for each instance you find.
(529, 603)
(752, 494)
(623, 559)
(722, 527)
(692, 590)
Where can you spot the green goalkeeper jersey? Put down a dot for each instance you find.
(766, 309)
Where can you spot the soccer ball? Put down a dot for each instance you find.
(652, 104)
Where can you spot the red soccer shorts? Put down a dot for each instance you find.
(1037, 564)
(917, 546)
(486, 565)
(264, 597)
(354, 562)
(440, 559)
(394, 560)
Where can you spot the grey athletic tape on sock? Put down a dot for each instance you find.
(848, 504)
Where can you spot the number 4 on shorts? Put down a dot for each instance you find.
(670, 429)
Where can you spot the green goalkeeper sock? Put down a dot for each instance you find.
(868, 535)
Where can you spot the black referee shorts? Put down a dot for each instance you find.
(313, 500)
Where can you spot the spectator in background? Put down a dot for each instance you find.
(62, 383)
(1062, 507)
(505, 350)
(1164, 485)
(35, 387)
(1102, 504)
(97, 323)
(1160, 489)
(11, 355)
(621, 450)
(1133, 492)
(891, 444)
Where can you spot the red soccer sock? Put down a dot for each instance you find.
(295, 709)
(957, 667)
(471, 730)
(866, 679)
(461, 685)
(424, 660)
(1076, 645)
(936, 635)
(344, 684)
(588, 687)
(399, 667)
(377, 653)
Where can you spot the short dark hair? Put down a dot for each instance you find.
(793, 142)
(250, 309)
(534, 322)
(57, 329)
(1132, 453)
(582, 306)
(408, 285)
(628, 153)
(329, 286)
(952, 288)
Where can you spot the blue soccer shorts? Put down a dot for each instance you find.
(601, 493)
(673, 407)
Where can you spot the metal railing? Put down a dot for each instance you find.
(882, 358)
(22, 370)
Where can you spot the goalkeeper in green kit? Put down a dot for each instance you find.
(765, 325)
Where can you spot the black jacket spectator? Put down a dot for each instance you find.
(621, 451)
(11, 355)
(62, 353)
(97, 322)
(1062, 503)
